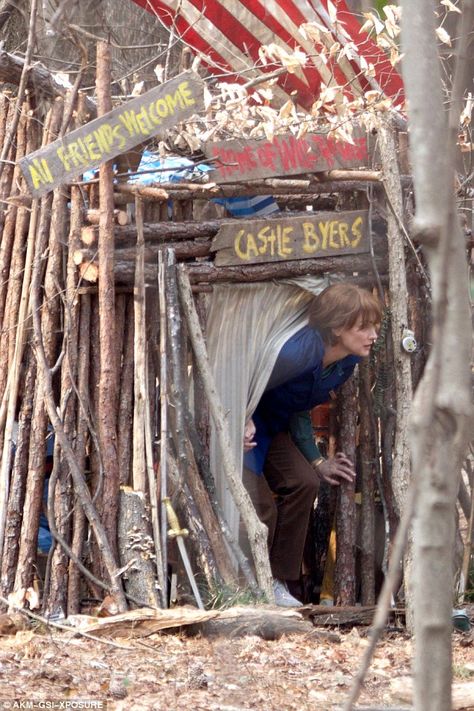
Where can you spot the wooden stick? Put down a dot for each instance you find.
(160, 554)
(367, 513)
(257, 532)
(18, 343)
(108, 381)
(138, 457)
(344, 577)
(163, 425)
(209, 551)
(60, 495)
(121, 217)
(80, 522)
(19, 475)
(125, 406)
(80, 485)
(151, 193)
(349, 265)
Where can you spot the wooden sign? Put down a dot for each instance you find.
(114, 133)
(318, 234)
(286, 155)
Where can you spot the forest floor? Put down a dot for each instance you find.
(174, 671)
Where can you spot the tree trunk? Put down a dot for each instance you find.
(442, 411)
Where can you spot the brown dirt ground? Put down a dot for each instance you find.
(174, 671)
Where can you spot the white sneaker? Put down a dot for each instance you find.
(283, 597)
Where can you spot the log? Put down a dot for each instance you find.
(121, 217)
(164, 433)
(18, 480)
(139, 358)
(183, 251)
(136, 547)
(108, 381)
(368, 455)
(183, 191)
(168, 231)
(145, 192)
(357, 270)
(124, 425)
(347, 616)
(48, 241)
(79, 526)
(348, 265)
(60, 495)
(264, 624)
(344, 574)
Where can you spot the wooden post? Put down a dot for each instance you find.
(108, 382)
(79, 527)
(125, 406)
(399, 311)
(257, 532)
(367, 467)
(163, 425)
(345, 514)
(140, 374)
(60, 495)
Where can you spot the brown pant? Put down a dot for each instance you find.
(283, 498)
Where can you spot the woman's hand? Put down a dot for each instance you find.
(335, 468)
(249, 434)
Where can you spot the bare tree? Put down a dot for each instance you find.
(442, 410)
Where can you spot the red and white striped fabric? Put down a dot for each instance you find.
(229, 33)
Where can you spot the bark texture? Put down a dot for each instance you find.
(442, 410)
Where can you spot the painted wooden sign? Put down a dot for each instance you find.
(318, 234)
(285, 155)
(114, 133)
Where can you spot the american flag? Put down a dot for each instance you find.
(228, 35)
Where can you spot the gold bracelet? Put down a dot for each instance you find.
(317, 462)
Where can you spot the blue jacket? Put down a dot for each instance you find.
(298, 382)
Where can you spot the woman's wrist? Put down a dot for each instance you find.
(317, 462)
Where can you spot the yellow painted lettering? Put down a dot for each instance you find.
(46, 171)
(142, 124)
(92, 147)
(146, 119)
(324, 229)
(333, 234)
(356, 231)
(174, 100)
(129, 120)
(284, 243)
(108, 132)
(153, 117)
(251, 246)
(35, 176)
(75, 155)
(118, 136)
(343, 229)
(237, 245)
(100, 140)
(63, 157)
(310, 238)
(83, 150)
(265, 239)
(186, 94)
(161, 108)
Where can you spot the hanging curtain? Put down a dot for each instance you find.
(246, 328)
